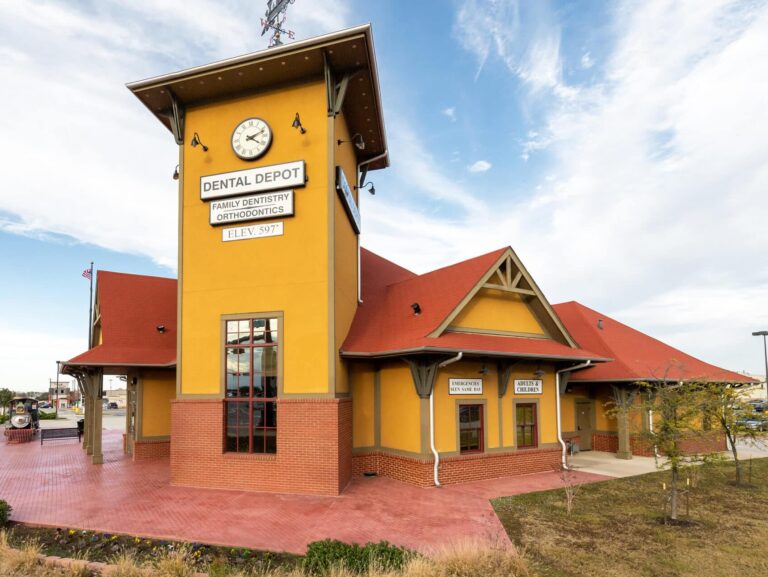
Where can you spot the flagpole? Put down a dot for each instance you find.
(90, 308)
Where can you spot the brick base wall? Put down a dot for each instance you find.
(605, 442)
(710, 443)
(314, 448)
(147, 450)
(458, 469)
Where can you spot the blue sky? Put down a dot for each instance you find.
(619, 147)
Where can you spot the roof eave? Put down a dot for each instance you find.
(478, 352)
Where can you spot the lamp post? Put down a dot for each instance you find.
(764, 334)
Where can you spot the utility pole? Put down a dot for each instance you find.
(764, 334)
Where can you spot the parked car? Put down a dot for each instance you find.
(757, 423)
(45, 405)
(112, 405)
(758, 406)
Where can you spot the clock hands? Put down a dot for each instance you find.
(253, 136)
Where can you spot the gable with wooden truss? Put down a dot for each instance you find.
(506, 302)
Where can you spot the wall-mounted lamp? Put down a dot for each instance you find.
(416, 308)
(372, 189)
(356, 139)
(484, 370)
(297, 124)
(160, 328)
(176, 173)
(539, 372)
(196, 140)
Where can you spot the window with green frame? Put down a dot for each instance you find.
(251, 385)
(525, 423)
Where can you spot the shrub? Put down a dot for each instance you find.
(471, 560)
(5, 513)
(3, 419)
(43, 416)
(324, 556)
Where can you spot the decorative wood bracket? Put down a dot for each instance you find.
(503, 372)
(423, 372)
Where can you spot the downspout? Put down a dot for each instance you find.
(432, 418)
(563, 459)
(357, 177)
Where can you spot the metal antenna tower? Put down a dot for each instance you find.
(274, 19)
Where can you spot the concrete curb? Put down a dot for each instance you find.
(96, 567)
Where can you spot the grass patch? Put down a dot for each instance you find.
(106, 547)
(616, 528)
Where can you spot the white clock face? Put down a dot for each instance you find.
(251, 138)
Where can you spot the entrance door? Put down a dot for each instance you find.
(585, 416)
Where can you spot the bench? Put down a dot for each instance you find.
(68, 433)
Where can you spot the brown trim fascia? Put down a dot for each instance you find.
(441, 350)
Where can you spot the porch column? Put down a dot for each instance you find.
(98, 408)
(622, 418)
(85, 380)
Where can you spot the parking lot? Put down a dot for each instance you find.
(113, 420)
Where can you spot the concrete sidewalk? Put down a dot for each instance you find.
(600, 463)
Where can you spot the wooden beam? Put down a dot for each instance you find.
(516, 280)
(520, 291)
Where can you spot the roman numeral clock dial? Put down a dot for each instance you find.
(251, 138)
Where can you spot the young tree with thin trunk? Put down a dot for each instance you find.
(725, 405)
(677, 408)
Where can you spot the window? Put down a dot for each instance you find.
(525, 420)
(471, 428)
(251, 386)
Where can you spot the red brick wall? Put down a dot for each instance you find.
(458, 469)
(709, 443)
(314, 448)
(146, 450)
(605, 442)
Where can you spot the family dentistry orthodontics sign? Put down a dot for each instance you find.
(275, 177)
(253, 207)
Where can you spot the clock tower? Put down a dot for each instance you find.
(272, 146)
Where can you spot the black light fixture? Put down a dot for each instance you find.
(484, 370)
(372, 189)
(356, 139)
(539, 372)
(297, 124)
(176, 173)
(160, 328)
(416, 308)
(196, 140)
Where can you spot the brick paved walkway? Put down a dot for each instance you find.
(55, 485)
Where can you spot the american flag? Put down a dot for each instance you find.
(87, 273)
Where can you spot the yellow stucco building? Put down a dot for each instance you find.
(286, 357)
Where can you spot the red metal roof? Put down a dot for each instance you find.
(636, 356)
(385, 323)
(131, 308)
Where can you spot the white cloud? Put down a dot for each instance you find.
(82, 157)
(26, 367)
(107, 162)
(586, 61)
(653, 208)
(450, 112)
(480, 166)
(492, 28)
